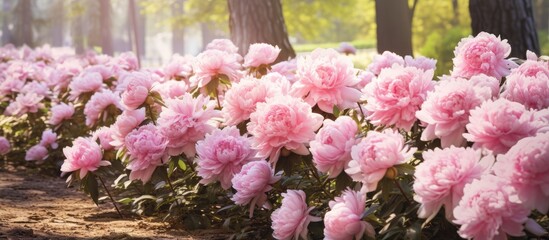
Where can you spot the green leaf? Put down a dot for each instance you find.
(92, 188)
(342, 182)
(171, 168)
(125, 200)
(336, 111)
(182, 164)
(144, 197)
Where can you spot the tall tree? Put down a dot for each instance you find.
(511, 19)
(7, 35)
(23, 23)
(259, 21)
(394, 26)
(178, 32)
(105, 25)
(57, 23)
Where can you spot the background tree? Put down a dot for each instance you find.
(259, 21)
(394, 26)
(178, 30)
(23, 23)
(105, 25)
(511, 19)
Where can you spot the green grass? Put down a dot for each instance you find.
(358, 44)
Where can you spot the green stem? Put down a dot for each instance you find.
(401, 191)
(110, 196)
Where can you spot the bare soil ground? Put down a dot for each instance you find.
(35, 206)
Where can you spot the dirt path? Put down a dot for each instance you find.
(41, 207)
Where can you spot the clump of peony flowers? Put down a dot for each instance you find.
(84, 155)
(441, 177)
(282, 122)
(260, 54)
(290, 221)
(137, 89)
(252, 182)
(5, 146)
(147, 149)
(98, 105)
(396, 94)
(344, 220)
(61, 112)
(326, 79)
(331, 148)
(221, 155)
(374, 154)
(482, 54)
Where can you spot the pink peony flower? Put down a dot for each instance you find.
(290, 221)
(49, 139)
(11, 85)
(331, 148)
(375, 153)
(124, 124)
(251, 184)
(344, 220)
(222, 154)
(36, 153)
(286, 69)
(282, 122)
(84, 155)
(260, 54)
(60, 112)
(526, 167)
(364, 78)
(346, 48)
(126, 61)
(420, 63)
(498, 125)
(98, 106)
(185, 121)
(445, 112)
(25, 103)
(179, 68)
(241, 99)
(37, 88)
(170, 89)
(385, 60)
(147, 149)
(441, 177)
(5, 146)
(484, 81)
(396, 94)
(211, 64)
(529, 85)
(104, 135)
(483, 54)
(490, 209)
(137, 89)
(224, 45)
(327, 79)
(84, 83)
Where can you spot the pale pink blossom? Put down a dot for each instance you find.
(287, 69)
(241, 99)
(137, 89)
(261, 54)
(222, 154)
(283, 122)
(483, 54)
(420, 62)
(526, 167)
(529, 85)
(170, 89)
(331, 148)
(364, 78)
(490, 209)
(212, 64)
(441, 177)
(290, 221)
(179, 68)
(5, 146)
(124, 124)
(85, 83)
(374, 154)
(49, 139)
(251, 184)
(104, 135)
(60, 112)
(127, 61)
(346, 48)
(36, 153)
(344, 220)
(445, 112)
(147, 149)
(224, 45)
(185, 121)
(385, 60)
(484, 81)
(99, 104)
(84, 155)
(498, 125)
(25, 103)
(396, 94)
(326, 78)
(11, 85)
(36, 87)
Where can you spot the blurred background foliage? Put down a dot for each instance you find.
(186, 26)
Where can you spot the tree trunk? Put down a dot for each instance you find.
(394, 28)
(105, 25)
(511, 19)
(57, 30)
(178, 33)
(23, 25)
(455, 9)
(7, 35)
(259, 21)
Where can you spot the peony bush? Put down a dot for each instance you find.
(307, 148)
